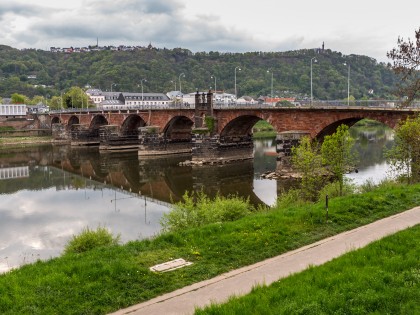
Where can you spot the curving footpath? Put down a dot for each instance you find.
(241, 281)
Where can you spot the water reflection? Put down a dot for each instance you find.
(49, 193)
(372, 140)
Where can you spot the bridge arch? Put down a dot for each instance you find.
(239, 126)
(55, 120)
(96, 123)
(73, 120)
(131, 124)
(331, 128)
(178, 128)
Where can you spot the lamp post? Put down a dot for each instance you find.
(141, 82)
(272, 77)
(112, 85)
(179, 79)
(312, 95)
(214, 77)
(348, 83)
(236, 94)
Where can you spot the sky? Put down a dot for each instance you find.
(362, 27)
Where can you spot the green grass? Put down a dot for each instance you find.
(262, 129)
(108, 278)
(382, 278)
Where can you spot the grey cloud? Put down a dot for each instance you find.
(110, 7)
(26, 10)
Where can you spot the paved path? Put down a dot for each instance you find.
(241, 281)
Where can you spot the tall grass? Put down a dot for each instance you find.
(89, 239)
(197, 209)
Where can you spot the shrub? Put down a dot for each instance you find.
(292, 197)
(333, 189)
(89, 239)
(198, 209)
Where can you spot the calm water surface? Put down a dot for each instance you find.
(48, 194)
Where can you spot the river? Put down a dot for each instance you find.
(50, 193)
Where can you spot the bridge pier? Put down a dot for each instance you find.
(213, 150)
(285, 141)
(59, 132)
(82, 135)
(152, 143)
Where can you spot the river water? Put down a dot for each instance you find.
(50, 193)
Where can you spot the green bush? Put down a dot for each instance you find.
(89, 239)
(292, 197)
(198, 209)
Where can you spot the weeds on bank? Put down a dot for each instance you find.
(382, 278)
(107, 278)
(89, 239)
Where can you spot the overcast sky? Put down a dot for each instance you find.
(364, 27)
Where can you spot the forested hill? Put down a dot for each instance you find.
(163, 69)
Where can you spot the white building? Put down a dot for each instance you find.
(13, 110)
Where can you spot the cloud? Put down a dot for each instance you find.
(25, 10)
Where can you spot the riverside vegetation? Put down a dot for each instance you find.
(107, 278)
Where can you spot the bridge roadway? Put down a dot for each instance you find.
(234, 121)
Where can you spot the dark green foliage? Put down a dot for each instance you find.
(161, 66)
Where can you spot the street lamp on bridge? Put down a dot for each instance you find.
(179, 79)
(348, 83)
(272, 76)
(141, 83)
(236, 93)
(214, 77)
(312, 95)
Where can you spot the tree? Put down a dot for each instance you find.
(337, 154)
(404, 156)
(406, 62)
(306, 158)
(18, 98)
(76, 98)
(55, 102)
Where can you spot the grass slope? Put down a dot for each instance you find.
(106, 279)
(382, 278)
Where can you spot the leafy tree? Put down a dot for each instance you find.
(337, 153)
(55, 102)
(404, 156)
(18, 98)
(306, 158)
(75, 98)
(406, 62)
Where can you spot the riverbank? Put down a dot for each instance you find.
(107, 279)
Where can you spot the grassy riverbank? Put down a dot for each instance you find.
(18, 142)
(382, 278)
(106, 279)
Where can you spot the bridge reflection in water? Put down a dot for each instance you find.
(161, 179)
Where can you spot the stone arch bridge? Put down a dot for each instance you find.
(211, 133)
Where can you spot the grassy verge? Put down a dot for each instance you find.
(17, 142)
(106, 279)
(382, 278)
